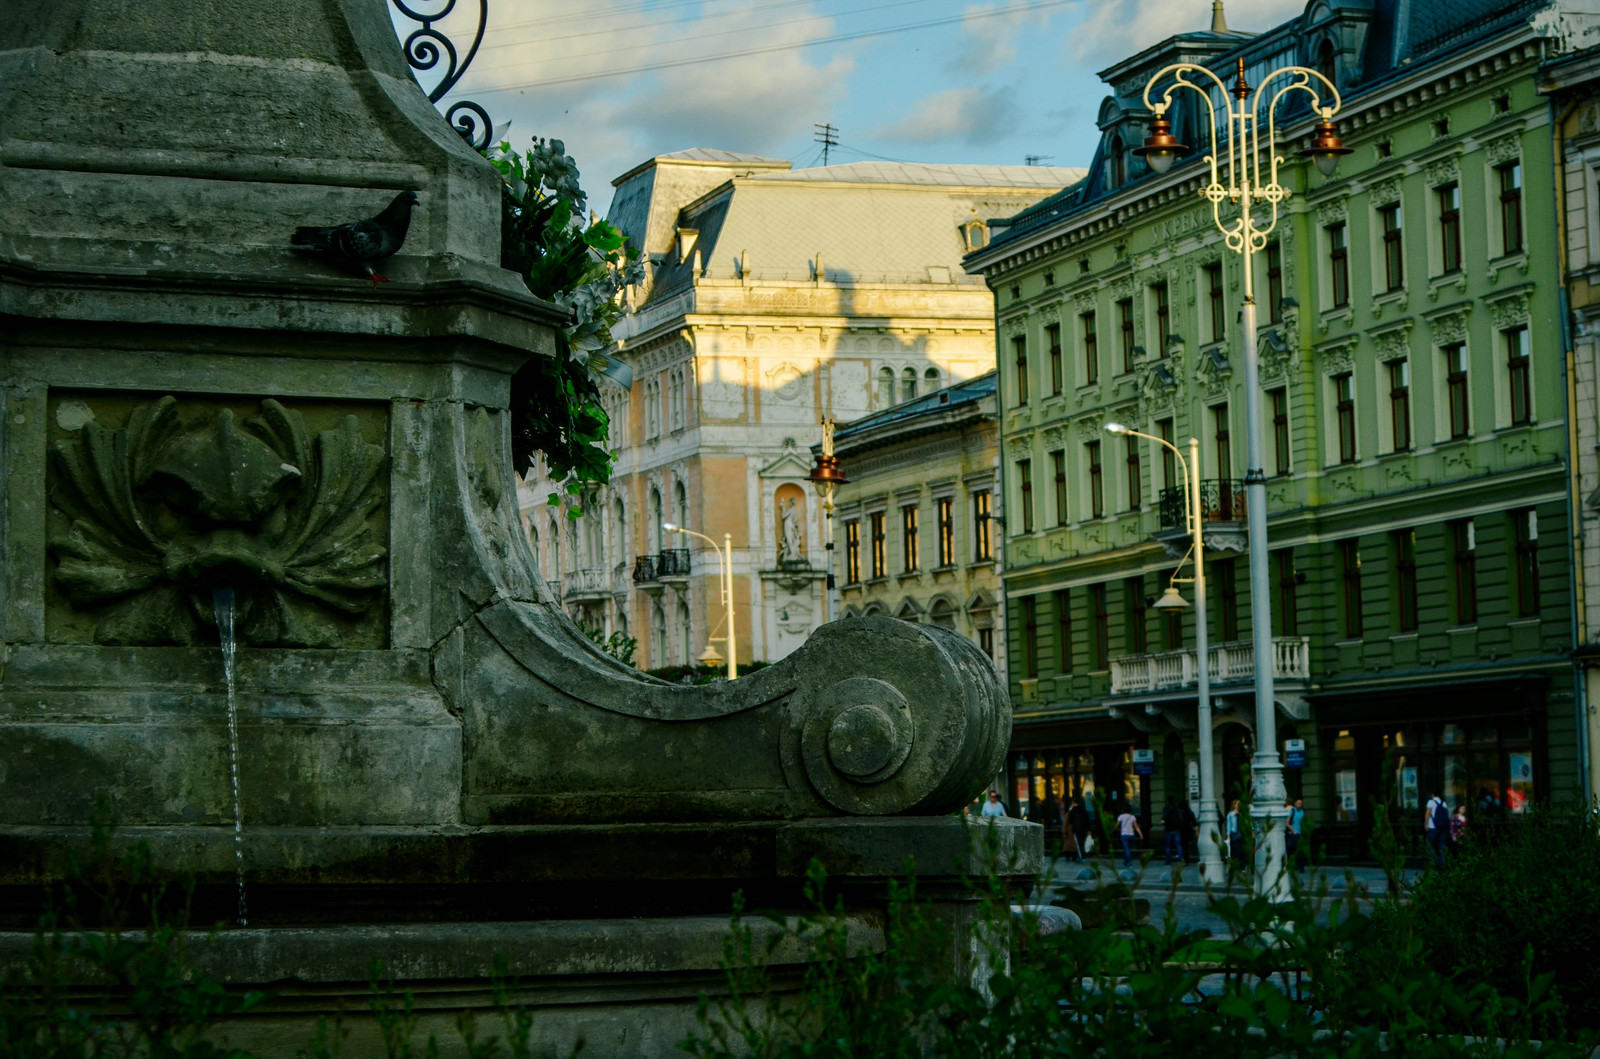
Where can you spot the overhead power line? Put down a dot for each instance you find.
(1018, 9)
(613, 27)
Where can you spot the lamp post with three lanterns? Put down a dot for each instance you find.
(1245, 235)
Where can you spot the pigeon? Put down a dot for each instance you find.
(361, 245)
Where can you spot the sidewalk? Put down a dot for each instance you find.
(1158, 877)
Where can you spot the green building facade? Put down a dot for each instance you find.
(1414, 436)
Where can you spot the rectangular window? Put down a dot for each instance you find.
(1510, 180)
(1138, 641)
(910, 550)
(1280, 427)
(947, 531)
(1025, 491)
(1449, 226)
(1274, 283)
(1288, 608)
(1052, 335)
(1455, 381)
(1169, 461)
(880, 561)
(1350, 577)
(1219, 316)
(1400, 403)
(1097, 496)
(1135, 476)
(1100, 647)
(1525, 530)
(1030, 637)
(1228, 591)
(1344, 408)
(1063, 601)
(986, 641)
(1059, 459)
(1338, 264)
(1516, 341)
(852, 551)
(1125, 322)
(982, 528)
(1160, 296)
(1019, 346)
(1405, 580)
(1394, 272)
(1224, 443)
(1464, 557)
(1091, 349)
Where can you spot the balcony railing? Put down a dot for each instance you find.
(1221, 500)
(587, 583)
(666, 565)
(1231, 663)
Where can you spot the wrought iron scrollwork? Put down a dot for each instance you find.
(428, 45)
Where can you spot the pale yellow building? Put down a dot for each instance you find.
(918, 522)
(773, 297)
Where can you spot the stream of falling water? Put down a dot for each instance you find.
(222, 600)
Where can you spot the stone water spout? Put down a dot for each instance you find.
(422, 732)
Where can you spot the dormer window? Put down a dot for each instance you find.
(1119, 163)
(687, 237)
(1326, 62)
(975, 234)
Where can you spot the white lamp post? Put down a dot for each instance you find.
(1245, 188)
(1194, 516)
(725, 577)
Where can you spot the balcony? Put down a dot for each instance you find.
(672, 564)
(587, 584)
(1231, 663)
(1222, 509)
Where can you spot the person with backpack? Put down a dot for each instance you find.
(1436, 827)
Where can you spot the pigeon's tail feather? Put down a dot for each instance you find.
(316, 238)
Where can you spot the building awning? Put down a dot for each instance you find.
(1522, 693)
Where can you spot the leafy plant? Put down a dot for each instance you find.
(618, 645)
(556, 408)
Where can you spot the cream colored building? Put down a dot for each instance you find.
(773, 297)
(918, 523)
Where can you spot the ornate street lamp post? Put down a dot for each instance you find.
(1194, 517)
(825, 477)
(1245, 235)
(725, 578)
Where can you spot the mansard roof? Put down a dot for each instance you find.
(1386, 38)
(937, 408)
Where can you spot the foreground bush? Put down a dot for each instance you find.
(1287, 981)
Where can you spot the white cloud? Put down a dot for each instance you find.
(1112, 30)
(969, 115)
(988, 42)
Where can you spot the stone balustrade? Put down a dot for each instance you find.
(1231, 663)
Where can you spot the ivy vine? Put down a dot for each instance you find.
(555, 402)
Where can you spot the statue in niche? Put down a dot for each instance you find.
(789, 540)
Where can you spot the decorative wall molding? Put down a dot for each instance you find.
(1509, 308)
(1394, 340)
(1449, 325)
(1338, 356)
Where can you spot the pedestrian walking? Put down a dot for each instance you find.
(1458, 827)
(1235, 834)
(1078, 824)
(1127, 830)
(1191, 834)
(1295, 835)
(1436, 827)
(1172, 824)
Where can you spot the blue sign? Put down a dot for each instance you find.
(1294, 753)
(1144, 762)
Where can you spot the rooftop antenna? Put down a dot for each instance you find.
(1219, 23)
(826, 135)
(1035, 159)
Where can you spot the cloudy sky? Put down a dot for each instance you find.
(911, 80)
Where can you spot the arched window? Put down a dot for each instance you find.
(685, 634)
(1119, 163)
(976, 235)
(1327, 65)
(885, 387)
(930, 380)
(658, 635)
(942, 613)
(553, 573)
(533, 542)
(680, 504)
(620, 524)
(655, 520)
(908, 384)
